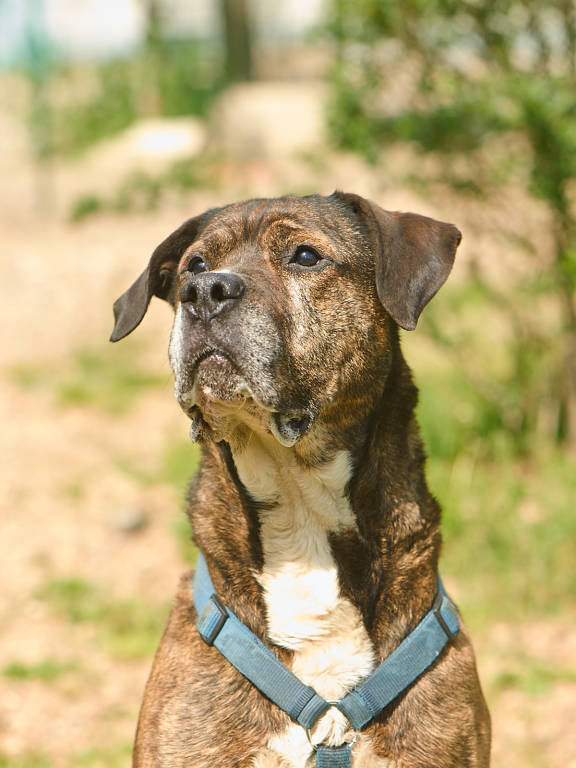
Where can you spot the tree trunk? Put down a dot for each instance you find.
(151, 101)
(567, 297)
(237, 25)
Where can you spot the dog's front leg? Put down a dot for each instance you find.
(362, 757)
(264, 758)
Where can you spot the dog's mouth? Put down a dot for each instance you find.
(210, 352)
(215, 390)
(214, 371)
(211, 376)
(210, 386)
(214, 354)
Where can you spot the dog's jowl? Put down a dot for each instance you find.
(317, 632)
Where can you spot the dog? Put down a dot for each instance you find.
(311, 506)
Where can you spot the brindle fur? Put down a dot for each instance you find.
(339, 360)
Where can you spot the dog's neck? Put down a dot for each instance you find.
(300, 508)
(359, 524)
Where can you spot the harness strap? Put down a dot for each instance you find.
(333, 757)
(404, 666)
(220, 627)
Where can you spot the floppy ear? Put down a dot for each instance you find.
(156, 280)
(414, 256)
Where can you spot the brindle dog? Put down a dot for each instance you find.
(311, 505)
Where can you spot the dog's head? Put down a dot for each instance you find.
(283, 306)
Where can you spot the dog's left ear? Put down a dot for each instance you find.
(414, 256)
(156, 280)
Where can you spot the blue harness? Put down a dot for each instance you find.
(219, 627)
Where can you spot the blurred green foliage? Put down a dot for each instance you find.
(489, 90)
(128, 629)
(25, 760)
(112, 756)
(106, 378)
(47, 670)
(104, 109)
(113, 94)
(506, 494)
(142, 191)
(179, 463)
(175, 467)
(115, 756)
(534, 679)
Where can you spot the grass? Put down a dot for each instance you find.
(102, 757)
(106, 378)
(115, 756)
(507, 536)
(533, 678)
(46, 671)
(128, 629)
(175, 467)
(179, 464)
(25, 760)
(509, 533)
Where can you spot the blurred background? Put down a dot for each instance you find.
(121, 118)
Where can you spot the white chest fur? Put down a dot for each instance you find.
(306, 613)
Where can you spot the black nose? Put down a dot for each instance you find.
(210, 293)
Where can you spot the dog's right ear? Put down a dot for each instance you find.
(156, 280)
(413, 256)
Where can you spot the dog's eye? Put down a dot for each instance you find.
(196, 266)
(305, 257)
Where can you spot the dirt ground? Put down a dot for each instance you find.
(65, 486)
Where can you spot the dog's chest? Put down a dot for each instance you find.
(306, 612)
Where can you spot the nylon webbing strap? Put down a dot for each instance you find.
(404, 665)
(333, 757)
(220, 627)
